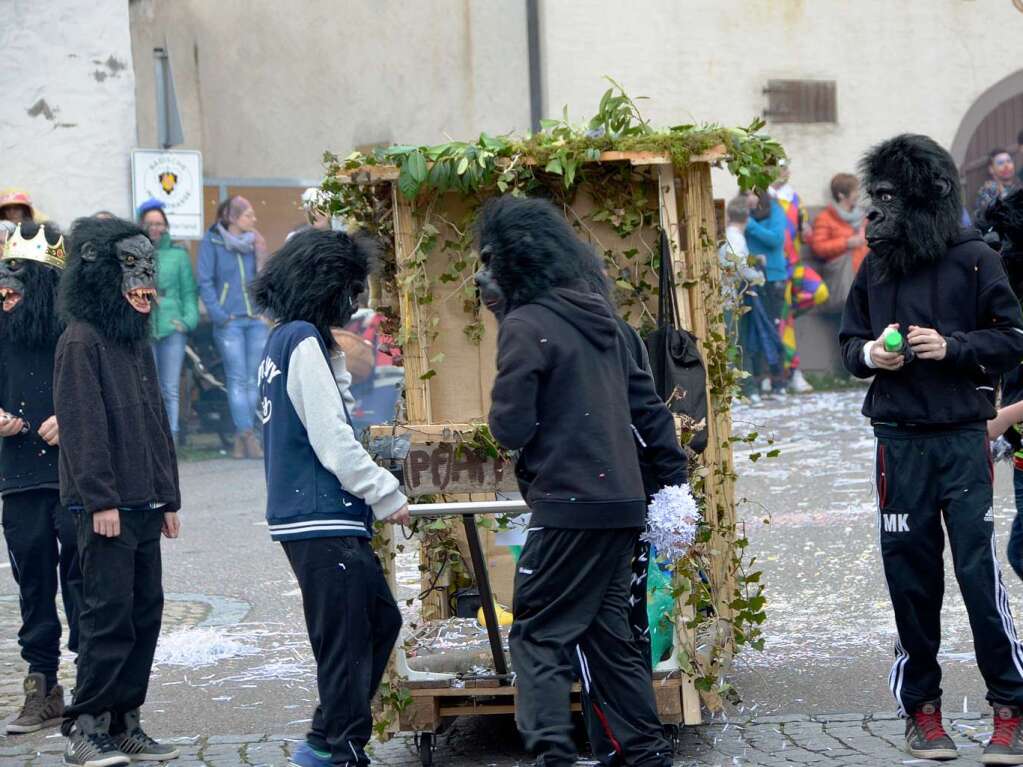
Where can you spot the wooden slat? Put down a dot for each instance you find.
(417, 391)
(369, 174)
(668, 211)
(698, 205)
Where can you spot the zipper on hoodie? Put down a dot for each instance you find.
(245, 293)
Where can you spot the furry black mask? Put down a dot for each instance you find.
(316, 278)
(110, 278)
(28, 317)
(1002, 224)
(527, 248)
(915, 210)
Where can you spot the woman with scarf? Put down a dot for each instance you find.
(839, 229)
(177, 311)
(230, 256)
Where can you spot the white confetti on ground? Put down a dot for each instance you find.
(198, 647)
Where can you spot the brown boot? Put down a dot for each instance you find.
(239, 446)
(252, 447)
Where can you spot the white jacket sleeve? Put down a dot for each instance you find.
(342, 378)
(317, 401)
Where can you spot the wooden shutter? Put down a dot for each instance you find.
(801, 101)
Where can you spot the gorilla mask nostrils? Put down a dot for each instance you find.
(138, 263)
(883, 216)
(12, 289)
(490, 292)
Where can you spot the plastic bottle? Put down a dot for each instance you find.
(894, 343)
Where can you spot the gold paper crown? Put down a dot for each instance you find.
(37, 249)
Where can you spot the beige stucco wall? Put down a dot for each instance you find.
(67, 112)
(264, 88)
(910, 65)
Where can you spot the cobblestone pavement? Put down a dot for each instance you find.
(838, 739)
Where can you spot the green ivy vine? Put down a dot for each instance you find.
(557, 162)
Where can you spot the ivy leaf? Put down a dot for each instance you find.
(417, 166)
(428, 375)
(554, 166)
(407, 185)
(463, 165)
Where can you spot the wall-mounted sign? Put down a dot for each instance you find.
(175, 178)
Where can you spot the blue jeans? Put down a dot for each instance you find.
(169, 352)
(1015, 548)
(241, 344)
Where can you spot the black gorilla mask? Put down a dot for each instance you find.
(527, 249)
(316, 278)
(28, 291)
(110, 279)
(915, 209)
(491, 295)
(1002, 224)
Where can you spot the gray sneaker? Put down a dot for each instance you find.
(90, 744)
(1006, 744)
(40, 709)
(140, 747)
(925, 735)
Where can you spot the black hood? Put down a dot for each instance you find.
(587, 312)
(966, 234)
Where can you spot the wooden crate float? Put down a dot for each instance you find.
(439, 407)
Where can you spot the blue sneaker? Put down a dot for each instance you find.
(307, 756)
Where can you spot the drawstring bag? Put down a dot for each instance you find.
(678, 370)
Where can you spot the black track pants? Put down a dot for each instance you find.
(572, 596)
(122, 609)
(922, 479)
(599, 712)
(353, 623)
(40, 536)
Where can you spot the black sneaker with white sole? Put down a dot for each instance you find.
(89, 744)
(140, 747)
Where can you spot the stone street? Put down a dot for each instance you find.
(233, 682)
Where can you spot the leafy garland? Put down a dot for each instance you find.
(557, 162)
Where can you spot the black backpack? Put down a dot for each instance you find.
(680, 376)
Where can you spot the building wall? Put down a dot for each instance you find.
(67, 116)
(265, 88)
(899, 66)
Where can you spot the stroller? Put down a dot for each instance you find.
(203, 398)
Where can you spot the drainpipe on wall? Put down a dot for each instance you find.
(535, 83)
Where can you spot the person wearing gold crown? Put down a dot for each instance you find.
(38, 530)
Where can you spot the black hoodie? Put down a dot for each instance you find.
(966, 297)
(569, 395)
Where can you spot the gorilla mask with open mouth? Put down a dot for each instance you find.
(28, 296)
(110, 281)
(316, 278)
(916, 209)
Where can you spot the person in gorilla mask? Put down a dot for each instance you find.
(932, 318)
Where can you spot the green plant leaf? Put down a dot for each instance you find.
(554, 166)
(463, 165)
(407, 185)
(417, 166)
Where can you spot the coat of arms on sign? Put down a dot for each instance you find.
(168, 181)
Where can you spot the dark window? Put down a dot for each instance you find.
(801, 101)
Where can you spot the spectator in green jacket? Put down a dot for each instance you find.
(177, 311)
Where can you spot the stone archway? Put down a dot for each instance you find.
(994, 119)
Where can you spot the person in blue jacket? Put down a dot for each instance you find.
(230, 255)
(765, 236)
(324, 491)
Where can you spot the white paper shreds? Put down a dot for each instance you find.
(672, 520)
(197, 647)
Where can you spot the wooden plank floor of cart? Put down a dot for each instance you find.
(436, 703)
